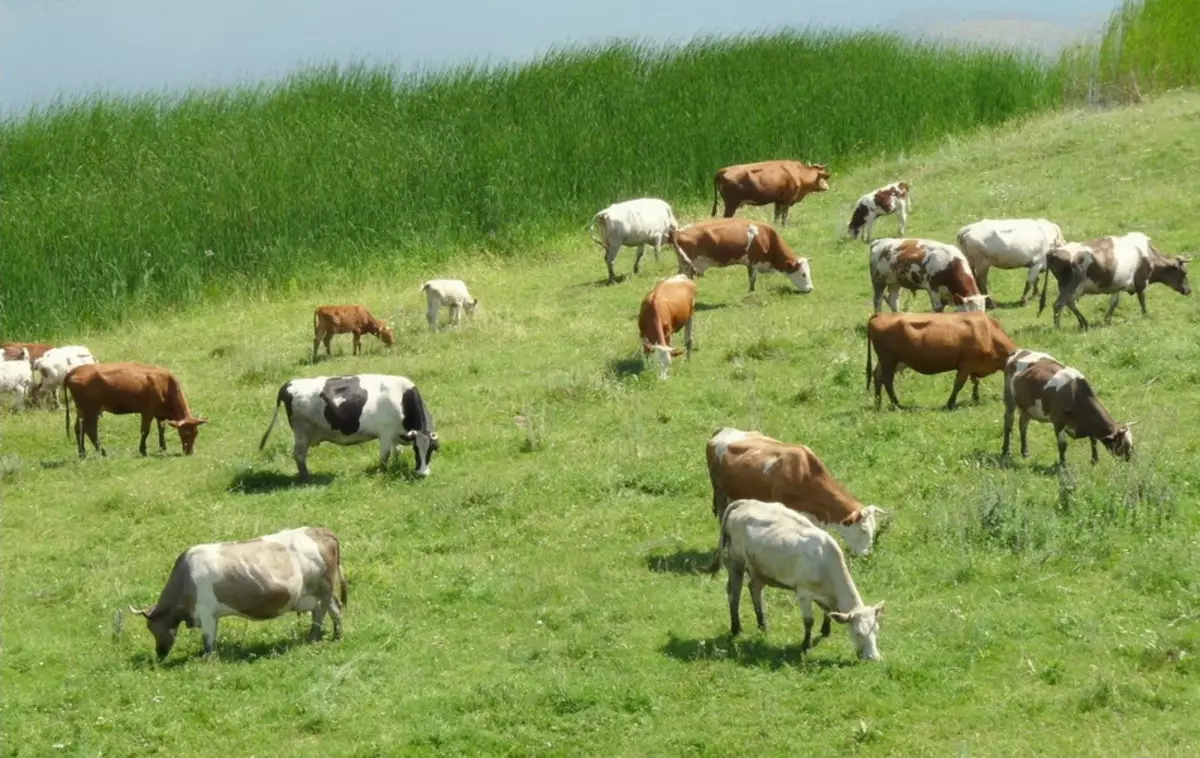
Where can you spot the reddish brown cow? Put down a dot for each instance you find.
(665, 310)
(971, 343)
(729, 241)
(329, 320)
(783, 183)
(12, 350)
(128, 387)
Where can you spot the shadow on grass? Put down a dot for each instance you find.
(243, 652)
(398, 469)
(623, 367)
(992, 459)
(701, 307)
(996, 306)
(257, 482)
(57, 464)
(749, 652)
(684, 561)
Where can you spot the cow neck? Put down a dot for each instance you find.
(845, 592)
(1158, 264)
(1092, 419)
(176, 402)
(833, 500)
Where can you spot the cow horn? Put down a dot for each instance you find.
(1130, 424)
(137, 612)
(1185, 259)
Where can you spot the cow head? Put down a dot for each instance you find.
(386, 335)
(425, 444)
(801, 276)
(163, 623)
(471, 306)
(970, 303)
(188, 429)
(859, 529)
(1120, 442)
(822, 176)
(1174, 274)
(863, 622)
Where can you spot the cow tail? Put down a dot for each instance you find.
(868, 358)
(716, 185)
(684, 260)
(67, 405)
(592, 230)
(279, 398)
(343, 588)
(1045, 284)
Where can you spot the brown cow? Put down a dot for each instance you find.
(973, 344)
(783, 183)
(728, 241)
(329, 320)
(128, 387)
(665, 310)
(12, 350)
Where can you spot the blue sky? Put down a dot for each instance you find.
(69, 47)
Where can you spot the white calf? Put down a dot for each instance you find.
(633, 223)
(51, 369)
(449, 292)
(16, 377)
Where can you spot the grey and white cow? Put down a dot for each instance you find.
(633, 223)
(351, 410)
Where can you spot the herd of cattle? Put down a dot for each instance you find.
(776, 504)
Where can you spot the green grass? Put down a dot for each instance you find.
(536, 595)
(137, 207)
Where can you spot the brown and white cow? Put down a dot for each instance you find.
(296, 570)
(781, 182)
(128, 387)
(735, 241)
(1109, 266)
(1045, 389)
(329, 320)
(881, 202)
(665, 310)
(920, 264)
(12, 350)
(752, 465)
(973, 344)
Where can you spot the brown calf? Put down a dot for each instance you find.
(122, 388)
(665, 310)
(729, 241)
(329, 320)
(781, 182)
(973, 344)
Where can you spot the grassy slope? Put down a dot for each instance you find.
(542, 601)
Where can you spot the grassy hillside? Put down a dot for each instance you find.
(537, 594)
(114, 207)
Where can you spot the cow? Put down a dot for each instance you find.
(666, 309)
(752, 465)
(779, 547)
(633, 223)
(16, 378)
(351, 410)
(12, 350)
(51, 369)
(451, 293)
(129, 387)
(781, 182)
(1009, 243)
(296, 570)
(920, 264)
(973, 344)
(730, 241)
(1044, 389)
(329, 320)
(1109, 266)
(881, 202)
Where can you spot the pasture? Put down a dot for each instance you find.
(538, 594)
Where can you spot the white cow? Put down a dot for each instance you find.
(294, 570)
(782, 548)
(51, 369)
(16, 378)
(451, 293)
(1009, 243)
(351, 410)
(633, 223)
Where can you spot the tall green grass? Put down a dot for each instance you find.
(1146, 46)
(114, 206)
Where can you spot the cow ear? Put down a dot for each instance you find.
(200, 421)
(879, 607)
(173, 423)
(838, 616)
(853, 518)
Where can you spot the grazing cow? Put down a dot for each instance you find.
(51, 369)
(1044, 389)
(781, 548)
(127, 387)
(973, 344)
(294, 570)
(351, 410)
(730, 241)
(633, 223)
(783, 183)
(752, 465)
(329, 320)
(1009, 243)
(919, 264)
(665, 310)
(12, 350)
(16, 377)
(449, 292)
(1109, 266)
(881, 202)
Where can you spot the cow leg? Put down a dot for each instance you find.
(162, 436)
(826, 624)
(894, 298)
(1083, 324)
(316, 342)
(208, 630)
(733, 590)
(613, 248)
(806, 612)
(959, 382)
(386, 444)
(455, 314)
(1031, 283)
(328, 340)
(687, 337)
(357, 344)
(637, 260)
(974, 389)
(981, 279)
(1112, 307)
(1095, 452)
(869, 227)
(756, 589)
(317, 631)
(300, 455)
(903, 211)
(752, 275)
(432, 309)
(935, 299)
(1142, 301)
(1024, 434)
(1010, 408)
(731, 207)
(91, 427)
(146, 419)
(657, 246)
(79, 434)
(877, 299)
(1061, 435)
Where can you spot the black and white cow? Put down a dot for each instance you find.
(351, 410)
(881, 202)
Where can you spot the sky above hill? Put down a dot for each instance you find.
(51, 48)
